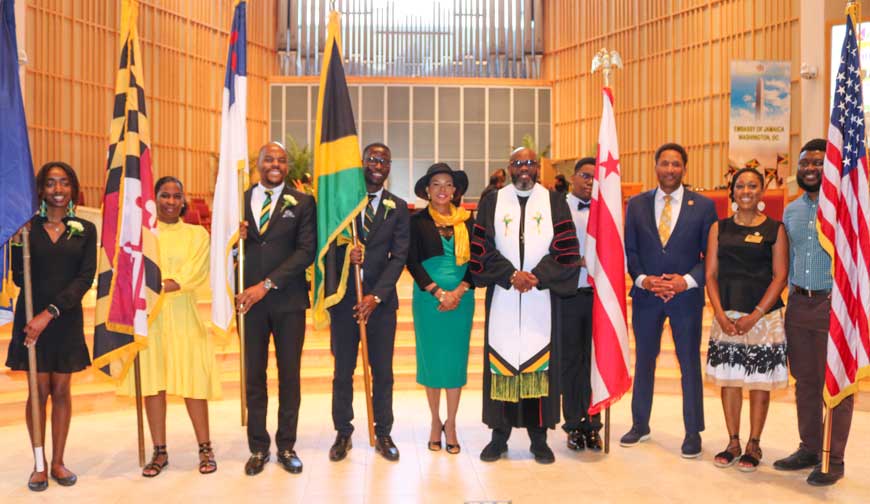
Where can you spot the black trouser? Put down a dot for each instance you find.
(288, 332)
(344, 343)
(576, 359)
(537, 435)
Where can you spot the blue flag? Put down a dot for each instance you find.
(17, 192)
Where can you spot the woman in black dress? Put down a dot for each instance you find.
(63, 261)
(746, 270)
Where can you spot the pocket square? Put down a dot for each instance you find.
(288, 214)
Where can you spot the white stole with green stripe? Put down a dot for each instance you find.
(519, 327)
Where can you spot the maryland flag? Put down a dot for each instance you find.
(339, 185)
(128, 282)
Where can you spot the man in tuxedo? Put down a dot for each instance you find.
(280, 239)
(384, 232)
(665, 239)
(581, 427)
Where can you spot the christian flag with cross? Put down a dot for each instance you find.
(128, 278)
(226, 207)
(339, 184)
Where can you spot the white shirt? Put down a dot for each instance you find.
(581, 220)
(258, 196)
(378, 197)
(658, 207)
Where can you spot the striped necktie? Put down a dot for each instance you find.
(265, 213)
(665, 221)
(369, 216)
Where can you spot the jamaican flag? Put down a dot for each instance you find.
(339, 185)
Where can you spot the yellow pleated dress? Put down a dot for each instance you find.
(180, 357)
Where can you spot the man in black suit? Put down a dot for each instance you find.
(280, 239)
(384, 231)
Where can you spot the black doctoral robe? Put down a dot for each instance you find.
(559, 272)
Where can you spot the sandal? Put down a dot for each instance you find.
(154, 467)
(207, 465)
(727, 457)
(749, 461)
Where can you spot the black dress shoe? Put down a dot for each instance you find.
(835, 473)
(37, 486)
(576, 441)
(493, 451)
(340, 447)
(256, 463)
(691, 446)
(801, 459)
(543, 454)
(385, 446)
(290, 461)
(67, 482)
(635, 436)
(593, 440)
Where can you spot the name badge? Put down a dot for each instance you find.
(754, 238)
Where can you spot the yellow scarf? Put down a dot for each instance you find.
(457, 219)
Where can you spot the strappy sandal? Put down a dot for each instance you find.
(749, 463)
(208, 464)
(727, 457)
(156, 467)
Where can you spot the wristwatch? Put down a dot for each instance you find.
(53, 311)
(268, 284)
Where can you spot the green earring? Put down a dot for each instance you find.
(70, 209)
(43, 209)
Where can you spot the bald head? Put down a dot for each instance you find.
(272, 164)
(523, 167)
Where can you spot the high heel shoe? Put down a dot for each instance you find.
(436, 445)
(452, 449)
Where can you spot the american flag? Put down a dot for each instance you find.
(605, 262)
(843, 221)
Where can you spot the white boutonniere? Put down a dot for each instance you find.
(288, 201)
(537, 218)
(389, 205)
(507, 219)
(74, 228)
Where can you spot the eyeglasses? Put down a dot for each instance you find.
(531, 163)
(805, 163)
(586, 176)
(377, 160)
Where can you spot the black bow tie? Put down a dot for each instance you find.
(583, 204)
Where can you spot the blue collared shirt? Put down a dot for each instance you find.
(809, 263)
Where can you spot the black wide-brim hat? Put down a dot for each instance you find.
(460, 180)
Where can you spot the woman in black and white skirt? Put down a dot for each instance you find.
(746, 269)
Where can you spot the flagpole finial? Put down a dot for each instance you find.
(605, 61)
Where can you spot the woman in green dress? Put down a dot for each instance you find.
(443, 304)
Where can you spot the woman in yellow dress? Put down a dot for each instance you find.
(180, 357)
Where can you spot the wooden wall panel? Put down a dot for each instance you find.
(72, 46)
(676, 80)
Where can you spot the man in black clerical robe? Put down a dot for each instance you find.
(525, 252)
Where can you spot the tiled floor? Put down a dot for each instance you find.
(102, 451)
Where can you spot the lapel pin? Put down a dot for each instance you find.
(691, 202)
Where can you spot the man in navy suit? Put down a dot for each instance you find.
(665, 239)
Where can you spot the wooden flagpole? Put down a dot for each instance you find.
(364, 342)
(140, 428)
(607, 429)
(35, 407)
(240, 325)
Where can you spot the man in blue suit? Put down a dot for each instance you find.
(665, 239)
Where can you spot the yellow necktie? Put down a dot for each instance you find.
(665, 221)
